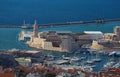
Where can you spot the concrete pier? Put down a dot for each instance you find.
(62, 24)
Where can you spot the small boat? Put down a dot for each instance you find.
(13, 50)
(89, 61)
(91, 66)
(109, 64)
(112, 53)
(59, 62)
(117, 65)
(87, 69)
(117, 53)
(97, 59)
(50, 57)
(65, 58)
(91, 50)
(82, 58)
(75, 59)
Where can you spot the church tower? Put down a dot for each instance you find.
(35, 29)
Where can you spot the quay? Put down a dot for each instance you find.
(63, 24)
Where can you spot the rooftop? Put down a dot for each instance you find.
(110, 34)
(58, 31)
(93, 32)
(32, 52)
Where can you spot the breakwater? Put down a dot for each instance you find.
(63, 24)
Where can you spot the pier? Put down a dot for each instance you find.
(63, 24)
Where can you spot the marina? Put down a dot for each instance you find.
(105, 61)
(71, 61)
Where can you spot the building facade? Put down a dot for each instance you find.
(53, 41)
(94, 35)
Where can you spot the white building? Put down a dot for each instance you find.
(94, 35)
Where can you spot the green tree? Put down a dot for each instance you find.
(49, 74)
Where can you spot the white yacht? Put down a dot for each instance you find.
(82, 58)
(90, 66)
(112, 53)
(87, 68)
(59, 62)
(50, 57)
(75, 59)
(89, 61)
(65, 58)
(109, 64)
(117, 65)
(97, 59)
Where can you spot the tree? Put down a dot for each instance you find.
(49, 74)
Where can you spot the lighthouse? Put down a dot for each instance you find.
(35, 29)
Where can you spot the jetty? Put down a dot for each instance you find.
(63, 24)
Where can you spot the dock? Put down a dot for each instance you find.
(63, 24)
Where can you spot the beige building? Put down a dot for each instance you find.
(62, 41)
(115, 36)
(54, 42)
(95, 45)
(117, 30)
(110, 36)
(110, 40)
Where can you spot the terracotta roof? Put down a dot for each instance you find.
(7, 75)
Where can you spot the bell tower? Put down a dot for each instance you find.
(35, 29)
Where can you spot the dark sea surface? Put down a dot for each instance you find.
(52, 11)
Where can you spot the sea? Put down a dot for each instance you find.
(54, 11)
(14, 12)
